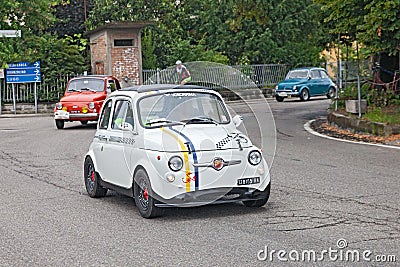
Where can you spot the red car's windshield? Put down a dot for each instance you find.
(86, 84)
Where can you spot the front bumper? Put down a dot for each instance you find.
(63, 115)
(213, 196)
(286, 93)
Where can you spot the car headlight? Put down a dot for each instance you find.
(175, 163)
(58, 105)
(91, 105)
(254, 157)
(294, 87)
(276, 87)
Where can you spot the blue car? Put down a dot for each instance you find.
(305, 83)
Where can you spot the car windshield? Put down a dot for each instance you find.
(297, 74)
(182, 108)
(86, 84)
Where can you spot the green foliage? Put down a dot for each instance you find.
(380, 29)
(57, 55)
(375, 24)
(148, 57)
(390, 115)
(262, 31)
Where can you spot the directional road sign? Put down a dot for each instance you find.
(10, 33)
(23, 72)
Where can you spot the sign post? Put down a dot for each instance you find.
(23, 72)
(1, 77)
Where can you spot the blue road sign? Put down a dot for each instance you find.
(23, 72)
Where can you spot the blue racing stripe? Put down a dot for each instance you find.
(193, 150)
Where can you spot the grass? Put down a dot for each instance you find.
(389, 115)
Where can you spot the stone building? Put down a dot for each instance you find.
(116, 50)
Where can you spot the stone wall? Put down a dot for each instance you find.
(27, 108)
(357, 125)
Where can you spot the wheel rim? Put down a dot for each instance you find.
(331, 93)
(143, 196)
(305, 94)
(90, 178)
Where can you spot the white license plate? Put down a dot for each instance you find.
(282, 94)
(247, 181)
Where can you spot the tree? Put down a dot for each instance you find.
(375, 24)
(33, 18)
(262, 31)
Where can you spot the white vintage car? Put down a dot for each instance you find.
(168, 146)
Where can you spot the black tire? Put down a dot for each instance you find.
(331, 93)
(143, 194)
(91, 179)
(259, 202)
(279, 98)
(305, 95)
(60, 124)
(84, 122)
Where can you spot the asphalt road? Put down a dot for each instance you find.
(322, 191)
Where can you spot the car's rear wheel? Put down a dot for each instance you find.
(93, 188)
(305, 95)
(279, 98)
(331, 93)
(144, 196)
(60, 124)
(84, 122)
(259, 202)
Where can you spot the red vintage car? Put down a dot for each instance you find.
(83, 99)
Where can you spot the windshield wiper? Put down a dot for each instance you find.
(202, 119)
(73, 90)
(162, 120)
(88, 89)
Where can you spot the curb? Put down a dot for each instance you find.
(28, 115)
(307, 127)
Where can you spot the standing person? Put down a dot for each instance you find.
(183, 73)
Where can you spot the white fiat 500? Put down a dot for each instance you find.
(168, 146)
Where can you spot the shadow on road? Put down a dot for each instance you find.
(298, 100)
(80, 127)
(178, 214)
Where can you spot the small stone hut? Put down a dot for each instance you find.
(116, 50)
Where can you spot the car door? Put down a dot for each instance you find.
(101, 138)
(315, 81)
(119, 147)
(325, 82)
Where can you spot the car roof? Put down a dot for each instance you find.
(93, 76)
(162, 87)
(309, 68)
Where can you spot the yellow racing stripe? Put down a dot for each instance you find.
(185, 157)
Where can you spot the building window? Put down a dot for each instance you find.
(123, 42)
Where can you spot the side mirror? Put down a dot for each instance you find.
(125, 126)
(237, 120)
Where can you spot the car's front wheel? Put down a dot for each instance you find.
(60, 124)
(259, 202)
(144, 196)
(331, 93)
(84, 122)
(279, 98)
(93, 188)
(305, 95)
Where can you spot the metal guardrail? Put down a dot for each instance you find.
(263, 75)
(48, 91)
